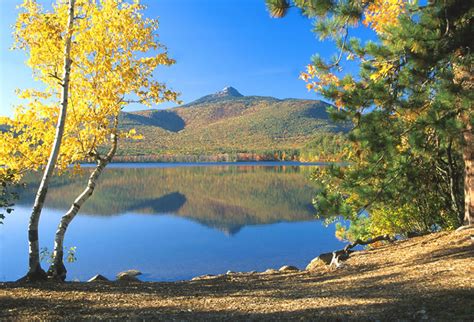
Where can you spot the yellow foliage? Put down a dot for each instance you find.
(381, 14)
(323, 78)
(404, 144)
(393, 221)
(114, 54)
(384, 68)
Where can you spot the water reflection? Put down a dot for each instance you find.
(222, 197)
(175, 223)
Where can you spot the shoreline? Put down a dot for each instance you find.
(427, 277)
(118, 164)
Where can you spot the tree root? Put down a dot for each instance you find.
(38, 275)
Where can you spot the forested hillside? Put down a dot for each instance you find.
(228, 126)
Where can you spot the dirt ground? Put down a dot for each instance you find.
(429, 277)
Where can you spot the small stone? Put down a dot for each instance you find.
(230, 272)
(98, 278)
(270, 271)
(288, 268)
(203, 277)
(421, 315)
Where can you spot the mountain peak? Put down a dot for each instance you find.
(228, 91)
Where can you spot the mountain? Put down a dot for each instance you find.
(227, 125)
(228, 93)
(3, 124)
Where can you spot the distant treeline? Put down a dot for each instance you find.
(220, 157)
(325, 148)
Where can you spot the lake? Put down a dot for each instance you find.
(177, 221)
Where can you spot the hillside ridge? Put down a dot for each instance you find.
(228, 126)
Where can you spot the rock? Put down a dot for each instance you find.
(98, 278)
(127, 278)
(316, 264)
(270, 271)
(230, 273)
(288, 268)
(421, 315)
(326, 258)
(130, 272)
(205, 277)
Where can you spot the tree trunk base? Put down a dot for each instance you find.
(37, 275)
(57, 272)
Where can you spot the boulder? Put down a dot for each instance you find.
(288, 268)
(316, 264)
(98, 278)
(127, 278)
(130, 272)
(270, 271)
(326, 258)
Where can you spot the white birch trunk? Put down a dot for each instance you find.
(57, 269)
(35, 272)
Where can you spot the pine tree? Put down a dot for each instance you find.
(412, 146)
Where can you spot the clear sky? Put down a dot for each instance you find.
(215, 42)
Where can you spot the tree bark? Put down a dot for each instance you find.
(57, 270)
(463, 76)
(468, 157)
(35, 272)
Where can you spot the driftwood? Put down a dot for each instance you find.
(471, 226)
(334, 258)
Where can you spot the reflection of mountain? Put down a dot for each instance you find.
(169, 203)
(223, 197)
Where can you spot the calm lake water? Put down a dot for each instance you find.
(177, 221)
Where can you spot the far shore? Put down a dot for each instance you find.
(119, 164)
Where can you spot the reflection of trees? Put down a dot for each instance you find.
(223, 197)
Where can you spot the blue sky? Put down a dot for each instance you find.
(215, 42)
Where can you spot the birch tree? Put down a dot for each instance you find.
(29, 39)
(114, 56)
